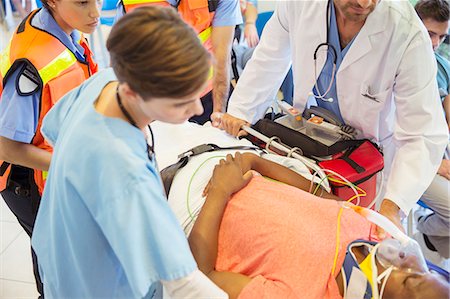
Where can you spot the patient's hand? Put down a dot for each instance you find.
(444, 169)
(232, 125)
(228, 177)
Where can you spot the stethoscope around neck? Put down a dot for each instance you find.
(329, 46)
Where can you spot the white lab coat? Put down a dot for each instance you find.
(391, 59)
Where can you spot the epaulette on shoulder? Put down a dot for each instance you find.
(28, 81)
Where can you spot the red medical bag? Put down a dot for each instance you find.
(358, 164)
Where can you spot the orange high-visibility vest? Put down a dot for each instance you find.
(130, 5)
(195, 13)
(59, 72)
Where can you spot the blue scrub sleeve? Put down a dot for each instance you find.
(19, 114)
(145, 235)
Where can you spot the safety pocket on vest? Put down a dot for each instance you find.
(60, 85)
(196, 4)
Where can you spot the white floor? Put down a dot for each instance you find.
(16, 273)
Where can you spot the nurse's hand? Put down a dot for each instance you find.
(232, 125)
(391, 211)
(444, 169)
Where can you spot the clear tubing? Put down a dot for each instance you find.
(378, 194)
(309, 163)
(382, 222)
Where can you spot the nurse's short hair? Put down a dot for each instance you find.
(437, 10)
(157, 54)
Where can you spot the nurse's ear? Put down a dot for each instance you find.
(127, 92)
(50, 4)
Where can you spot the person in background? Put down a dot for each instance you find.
(104, 228)
(46, 57)
(434, 229)
(22, 10)
(214, 21)
(249, 12)
(245, 38)
(370, 63)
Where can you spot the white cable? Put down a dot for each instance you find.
(378, 194)
(349, 184)
(308, 162)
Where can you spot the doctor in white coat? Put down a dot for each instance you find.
(384, 84)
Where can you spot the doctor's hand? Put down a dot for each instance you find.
(444, 169)
(391, 211)
(228, 177)
(232, 125)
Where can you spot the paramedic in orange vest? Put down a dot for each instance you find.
(46, 57)
(214, 21)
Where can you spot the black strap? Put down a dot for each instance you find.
(168, 173)
(358, 168)
(346, 157)
(212, 5)
(234, 65)
(4, 167)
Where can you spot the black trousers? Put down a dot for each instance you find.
(23, 200)
(207, 103)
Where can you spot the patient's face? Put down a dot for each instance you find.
(411, 285)
(174, 111)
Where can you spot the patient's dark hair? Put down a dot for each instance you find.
(157, 54)
(437, 10)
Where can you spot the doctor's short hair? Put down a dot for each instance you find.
(157, 54)
(437, 10)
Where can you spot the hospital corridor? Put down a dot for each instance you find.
(225, 149)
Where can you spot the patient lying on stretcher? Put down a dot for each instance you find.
(278, 241)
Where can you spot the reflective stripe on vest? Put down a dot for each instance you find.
(130, 5)
(205, 36)
(58, 65)
(52, 70)
(4, 64)
(132, 2)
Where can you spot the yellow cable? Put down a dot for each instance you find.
(338, 241)
(363, 193)
(346, 184)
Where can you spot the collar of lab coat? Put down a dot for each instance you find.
(362, 45)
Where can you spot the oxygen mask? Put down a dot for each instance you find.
(399, 252)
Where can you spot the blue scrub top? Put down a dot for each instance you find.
(443, 75)
(104, 228)
(327, 72)
(228, 12)
(19, 114)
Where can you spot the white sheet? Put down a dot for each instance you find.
(185, 197)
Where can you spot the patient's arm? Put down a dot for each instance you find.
(280, 173)
(227, 179)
